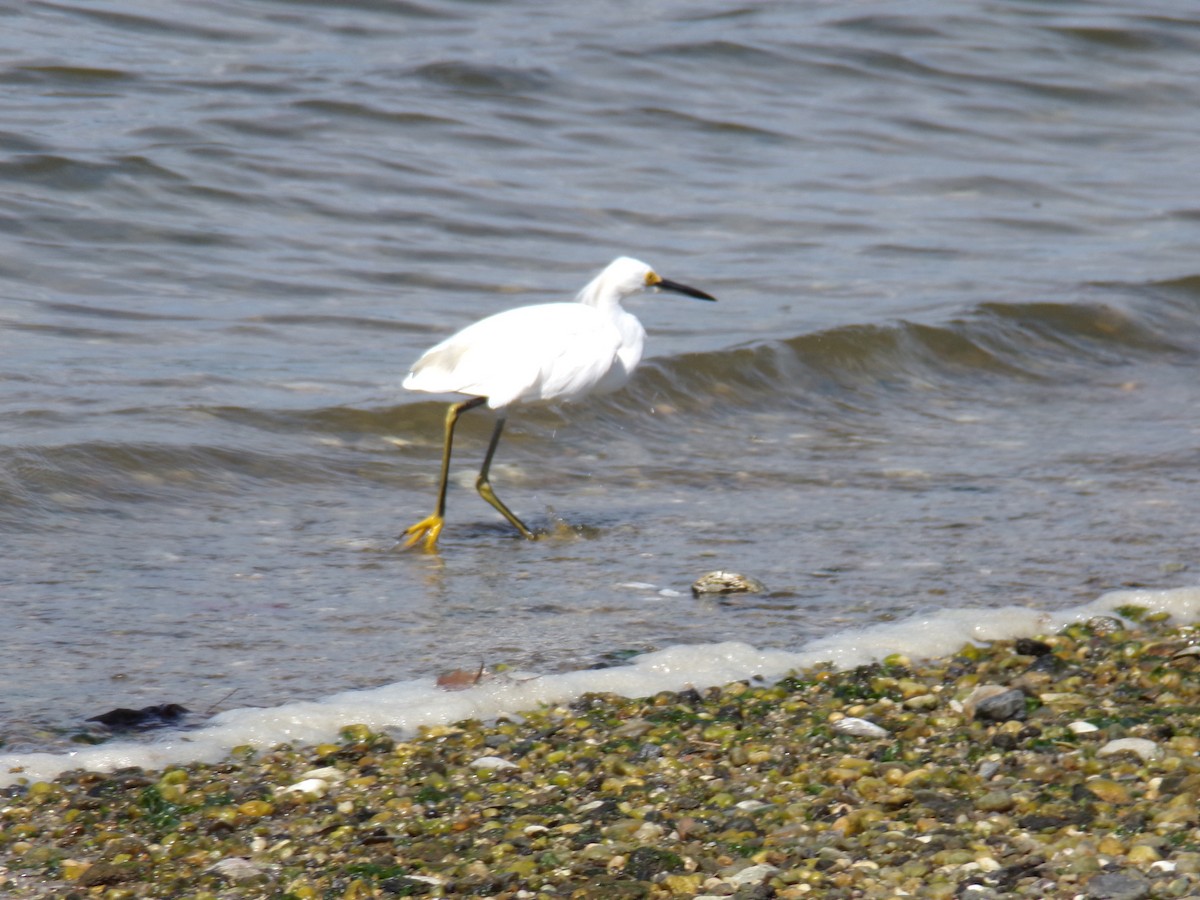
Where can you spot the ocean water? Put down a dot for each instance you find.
(953, 370)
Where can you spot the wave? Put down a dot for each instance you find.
(835, 375)
(856, 366)
(1038, 342)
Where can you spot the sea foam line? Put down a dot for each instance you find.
(404, 706)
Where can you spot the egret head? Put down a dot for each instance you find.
(625, 276)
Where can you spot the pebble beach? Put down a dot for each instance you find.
(1059, 765)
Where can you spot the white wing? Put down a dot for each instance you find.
(546, 352)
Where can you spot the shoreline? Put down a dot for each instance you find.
(1084, 782)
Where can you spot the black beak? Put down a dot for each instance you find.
(684, 289)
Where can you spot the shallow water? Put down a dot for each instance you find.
(954, 362)
(403, 707)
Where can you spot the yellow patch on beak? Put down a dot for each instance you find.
(652, 279)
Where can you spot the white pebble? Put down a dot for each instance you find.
(236, 868)
(492, 762)
(856, 727)
(326, 773)
(315, 786)
(1082, 727)
(648, 831)
(753, 806)
(753, 875)
(1147, 750)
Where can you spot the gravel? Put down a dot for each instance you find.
(1083, 782)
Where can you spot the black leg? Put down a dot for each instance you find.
(485, 487)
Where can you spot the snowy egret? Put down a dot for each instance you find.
(551, 351)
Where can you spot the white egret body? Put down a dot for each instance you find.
(552, 351)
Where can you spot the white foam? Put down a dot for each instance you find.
(402, 707)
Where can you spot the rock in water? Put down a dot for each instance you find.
(726, 583)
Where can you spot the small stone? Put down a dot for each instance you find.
(995, 801)
(1176, 813)
(855, 727)
(492, 762)
(328, 774)
(622, 829)
(1031, 647)
(978, 695)
(726, 583)
(1110, 846)
(1186, 862)
(1142, 747)
(102, 873)
(1082, 727)
(922, 701)
(753, 806)
(73, 868)
(315, 786)
(1185, 745)
(255, 809)
(1117, 886)
(648, 832)
(679, 885)
(1082, 864)
(1001, 707)
(988, 768)
(1143, 853)
(1109, 791)
(237, 869)
(753, 875)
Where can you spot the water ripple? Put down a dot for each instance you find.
(955, 250)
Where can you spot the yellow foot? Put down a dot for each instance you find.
(428, 528)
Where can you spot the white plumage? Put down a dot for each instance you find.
(552, 351)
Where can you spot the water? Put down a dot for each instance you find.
(404, 706)
(953, 365)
